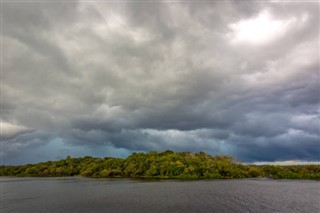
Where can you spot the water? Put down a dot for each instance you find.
(77, 194)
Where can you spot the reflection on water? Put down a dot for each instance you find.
(76, 194)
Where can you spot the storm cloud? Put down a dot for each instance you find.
(236, 78)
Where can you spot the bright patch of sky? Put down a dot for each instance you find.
(260, 29)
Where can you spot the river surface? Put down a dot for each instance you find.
(76, 194)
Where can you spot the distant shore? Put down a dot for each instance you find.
(161, 165)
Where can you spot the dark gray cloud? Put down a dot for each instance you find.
(239, 78)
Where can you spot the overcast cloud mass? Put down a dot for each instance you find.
(112, 78)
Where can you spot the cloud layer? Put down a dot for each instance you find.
(236, 78)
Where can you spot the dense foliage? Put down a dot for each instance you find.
(185, 165)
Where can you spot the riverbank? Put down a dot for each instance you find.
(161, 165)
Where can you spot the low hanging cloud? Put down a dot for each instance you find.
(238, 78)
(11, 131)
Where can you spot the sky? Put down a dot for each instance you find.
(108, 78)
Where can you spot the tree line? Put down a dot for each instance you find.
(167, 164)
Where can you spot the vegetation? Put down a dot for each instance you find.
(184, 165)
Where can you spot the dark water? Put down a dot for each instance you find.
(124, 195)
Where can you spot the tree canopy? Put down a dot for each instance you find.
(167, 164)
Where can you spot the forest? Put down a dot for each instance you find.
(167, 164)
